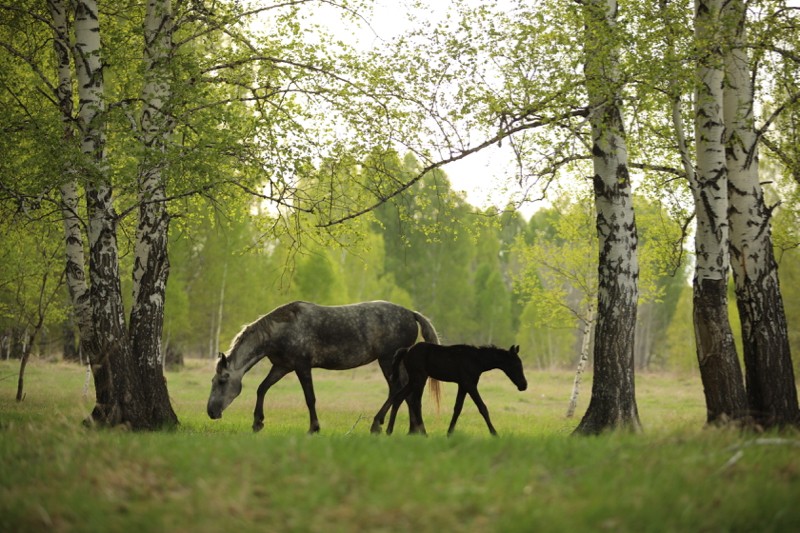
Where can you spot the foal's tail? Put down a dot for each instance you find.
(399, 355)
(429, 334)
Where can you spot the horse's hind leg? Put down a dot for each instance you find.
(274, 375)
(415, 405)
(395, 385)
(304, 374)
(395, 402)
(377, 421)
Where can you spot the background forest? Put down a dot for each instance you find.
(482, 275)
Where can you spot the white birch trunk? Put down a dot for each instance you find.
(716, 352)
(711, 190)
(73, 236)
(109, 352)
(220, 309)
(588, 324)
(613, 401)
(151, 264)
(771, 390)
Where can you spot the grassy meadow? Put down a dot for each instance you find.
(219, 476)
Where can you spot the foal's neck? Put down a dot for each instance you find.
(491, 360)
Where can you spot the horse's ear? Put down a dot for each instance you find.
(514, 349)
(222, 362)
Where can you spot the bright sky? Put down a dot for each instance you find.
(486, 177)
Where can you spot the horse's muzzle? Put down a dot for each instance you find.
(522, 386)
(214, 415)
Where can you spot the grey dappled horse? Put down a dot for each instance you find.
(299, 336)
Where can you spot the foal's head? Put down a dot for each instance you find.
(512, 366)
(225, 387)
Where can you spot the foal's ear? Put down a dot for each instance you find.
(514, 349)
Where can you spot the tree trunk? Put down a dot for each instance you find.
(151, 262)
(716, 352)
(613, 401)
(75, 271)
(769, 376)
(24, 356)
(585, 343)
(115, 376)
(69, 350)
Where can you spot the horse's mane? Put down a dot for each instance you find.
(258, 331)
(252, 332)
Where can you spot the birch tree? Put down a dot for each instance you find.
(113, 366)
(770, 381)
(151, 261)
(716, 351)
(75, 273)
(613, 400)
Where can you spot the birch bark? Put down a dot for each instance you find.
(613, 400)
(769, 376)
(75, 273)
(151, 261)
(586, 338)
(109, 352)
(716, 353)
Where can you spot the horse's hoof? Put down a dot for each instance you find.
(376, 429)
(258, 426)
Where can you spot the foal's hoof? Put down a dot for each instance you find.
(258, 426)
(376, 428)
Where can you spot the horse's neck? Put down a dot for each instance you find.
(247, 355)
(491, 361)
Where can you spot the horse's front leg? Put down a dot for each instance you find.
(462, 393)
(304, 374)
(473, 392)
(377, 422)
(274, 375)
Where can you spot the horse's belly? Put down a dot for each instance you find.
(340, 361)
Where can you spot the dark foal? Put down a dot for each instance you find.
(460, 364)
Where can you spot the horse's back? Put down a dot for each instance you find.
(444, 363)
(347, 336)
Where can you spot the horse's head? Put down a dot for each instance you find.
(513, 368)
(225, 387)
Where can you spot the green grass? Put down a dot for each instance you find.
(219, 476)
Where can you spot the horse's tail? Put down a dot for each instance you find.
(429, 334)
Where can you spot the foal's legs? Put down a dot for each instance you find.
(304, 374)
(462, 393)
(274, 375)
(473, 392)
(415, 404)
